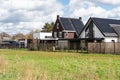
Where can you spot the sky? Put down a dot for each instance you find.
(27, 15)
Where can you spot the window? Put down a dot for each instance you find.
(93, 34)
(55, 34)
(57, 25)
(60, 34)
(87, 33)
(112, 40)
(66, 34)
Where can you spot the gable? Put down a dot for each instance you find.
(82, 33)
(93, 27)
(58, 26)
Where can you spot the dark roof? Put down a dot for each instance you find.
(117, 29)
(105, 25)
(14, 43)
(72, 24)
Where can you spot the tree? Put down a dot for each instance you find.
(48, 27)
(37, 31)
(18, 36)
(30, 35)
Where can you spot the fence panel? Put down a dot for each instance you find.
(117, 48)
(108, 47)
(102, 47)
(90, 47)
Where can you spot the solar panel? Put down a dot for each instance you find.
(117, 29)
(104, 24)
(67, 24)
(78, 25)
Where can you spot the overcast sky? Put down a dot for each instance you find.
(26, 15)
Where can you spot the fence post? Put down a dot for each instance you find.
(100, 47)
(114, 47)
(104, 47)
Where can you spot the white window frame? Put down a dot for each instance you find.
(60, 34)
(66, 34)
(87, 33)
(57, 25)
(55, 34)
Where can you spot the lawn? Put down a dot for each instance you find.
(40, 65)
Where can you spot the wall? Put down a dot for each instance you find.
(97, 32)
(82, 35)
(69, 34)
(109, 39)
(41, 35)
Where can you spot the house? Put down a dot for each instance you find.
(101, 30)
(67, 31)
(19, 36)
(43, 39)
(24, 43)
(4, 36)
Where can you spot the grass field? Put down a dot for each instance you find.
(39, 65)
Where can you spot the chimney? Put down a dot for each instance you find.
(80, 18)
(58, 16)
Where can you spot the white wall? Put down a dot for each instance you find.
(97, 32)
(82, 35)
(41, 35)
(24, 41)
(109, 39)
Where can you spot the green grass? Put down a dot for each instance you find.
(40, 65)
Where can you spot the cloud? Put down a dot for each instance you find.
(110, 2)
(87, 8)
(114, 13)
(26, 15)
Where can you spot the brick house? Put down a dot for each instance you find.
(67, 31)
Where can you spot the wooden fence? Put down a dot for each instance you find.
(105, 47)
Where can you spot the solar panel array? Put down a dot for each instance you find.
(72, 24)
(78, 25)
(66, 24)
(117, 29)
